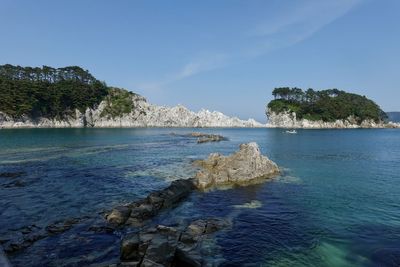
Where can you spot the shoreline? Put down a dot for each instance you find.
(395, 126)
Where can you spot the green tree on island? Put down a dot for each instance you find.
(48, 92)
(326, 105)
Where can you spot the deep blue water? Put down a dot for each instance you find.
(336, 204)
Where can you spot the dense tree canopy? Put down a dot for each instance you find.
(119, 102)
(326, 105)
(47, 91)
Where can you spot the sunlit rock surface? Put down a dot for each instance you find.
(246, 166)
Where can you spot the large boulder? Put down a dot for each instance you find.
(243, 167)
(119, 215)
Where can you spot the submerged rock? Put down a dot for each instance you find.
(24, 237)
(3, 259)
(11, 180)
(11, 174)
(254, 204)
(243, 167)
(168, 246)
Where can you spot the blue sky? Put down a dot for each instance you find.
(220, 55)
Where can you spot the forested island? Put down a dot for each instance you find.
(326, 105)
(48, 92)
(332, 108)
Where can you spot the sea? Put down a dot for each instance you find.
(336, 203)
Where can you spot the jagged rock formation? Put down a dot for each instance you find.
(243, 167)
(289, 120)
(143, 114)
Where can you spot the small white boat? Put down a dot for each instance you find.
(291, 132)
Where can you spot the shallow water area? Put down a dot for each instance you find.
(336, 203)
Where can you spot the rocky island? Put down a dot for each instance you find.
(333, 108)
(71, 97)
(246, 166)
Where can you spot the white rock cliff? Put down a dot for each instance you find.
(143, 114)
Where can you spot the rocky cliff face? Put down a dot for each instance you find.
(289, 120)
(143, 114)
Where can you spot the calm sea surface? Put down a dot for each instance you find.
(336, 204)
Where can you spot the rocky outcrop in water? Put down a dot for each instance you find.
(169, 246)
(243, 167)
(203, 137)
(134, 214)
(289, 120)
(143, 114)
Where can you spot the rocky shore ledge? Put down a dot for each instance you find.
(163, 245)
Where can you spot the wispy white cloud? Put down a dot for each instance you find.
(313, 13)
(296, 25)
(290, 26)
(203, 63)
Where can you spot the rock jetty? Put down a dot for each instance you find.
(136, 213)
(243, 167)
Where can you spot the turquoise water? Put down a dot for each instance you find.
(336, 204)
